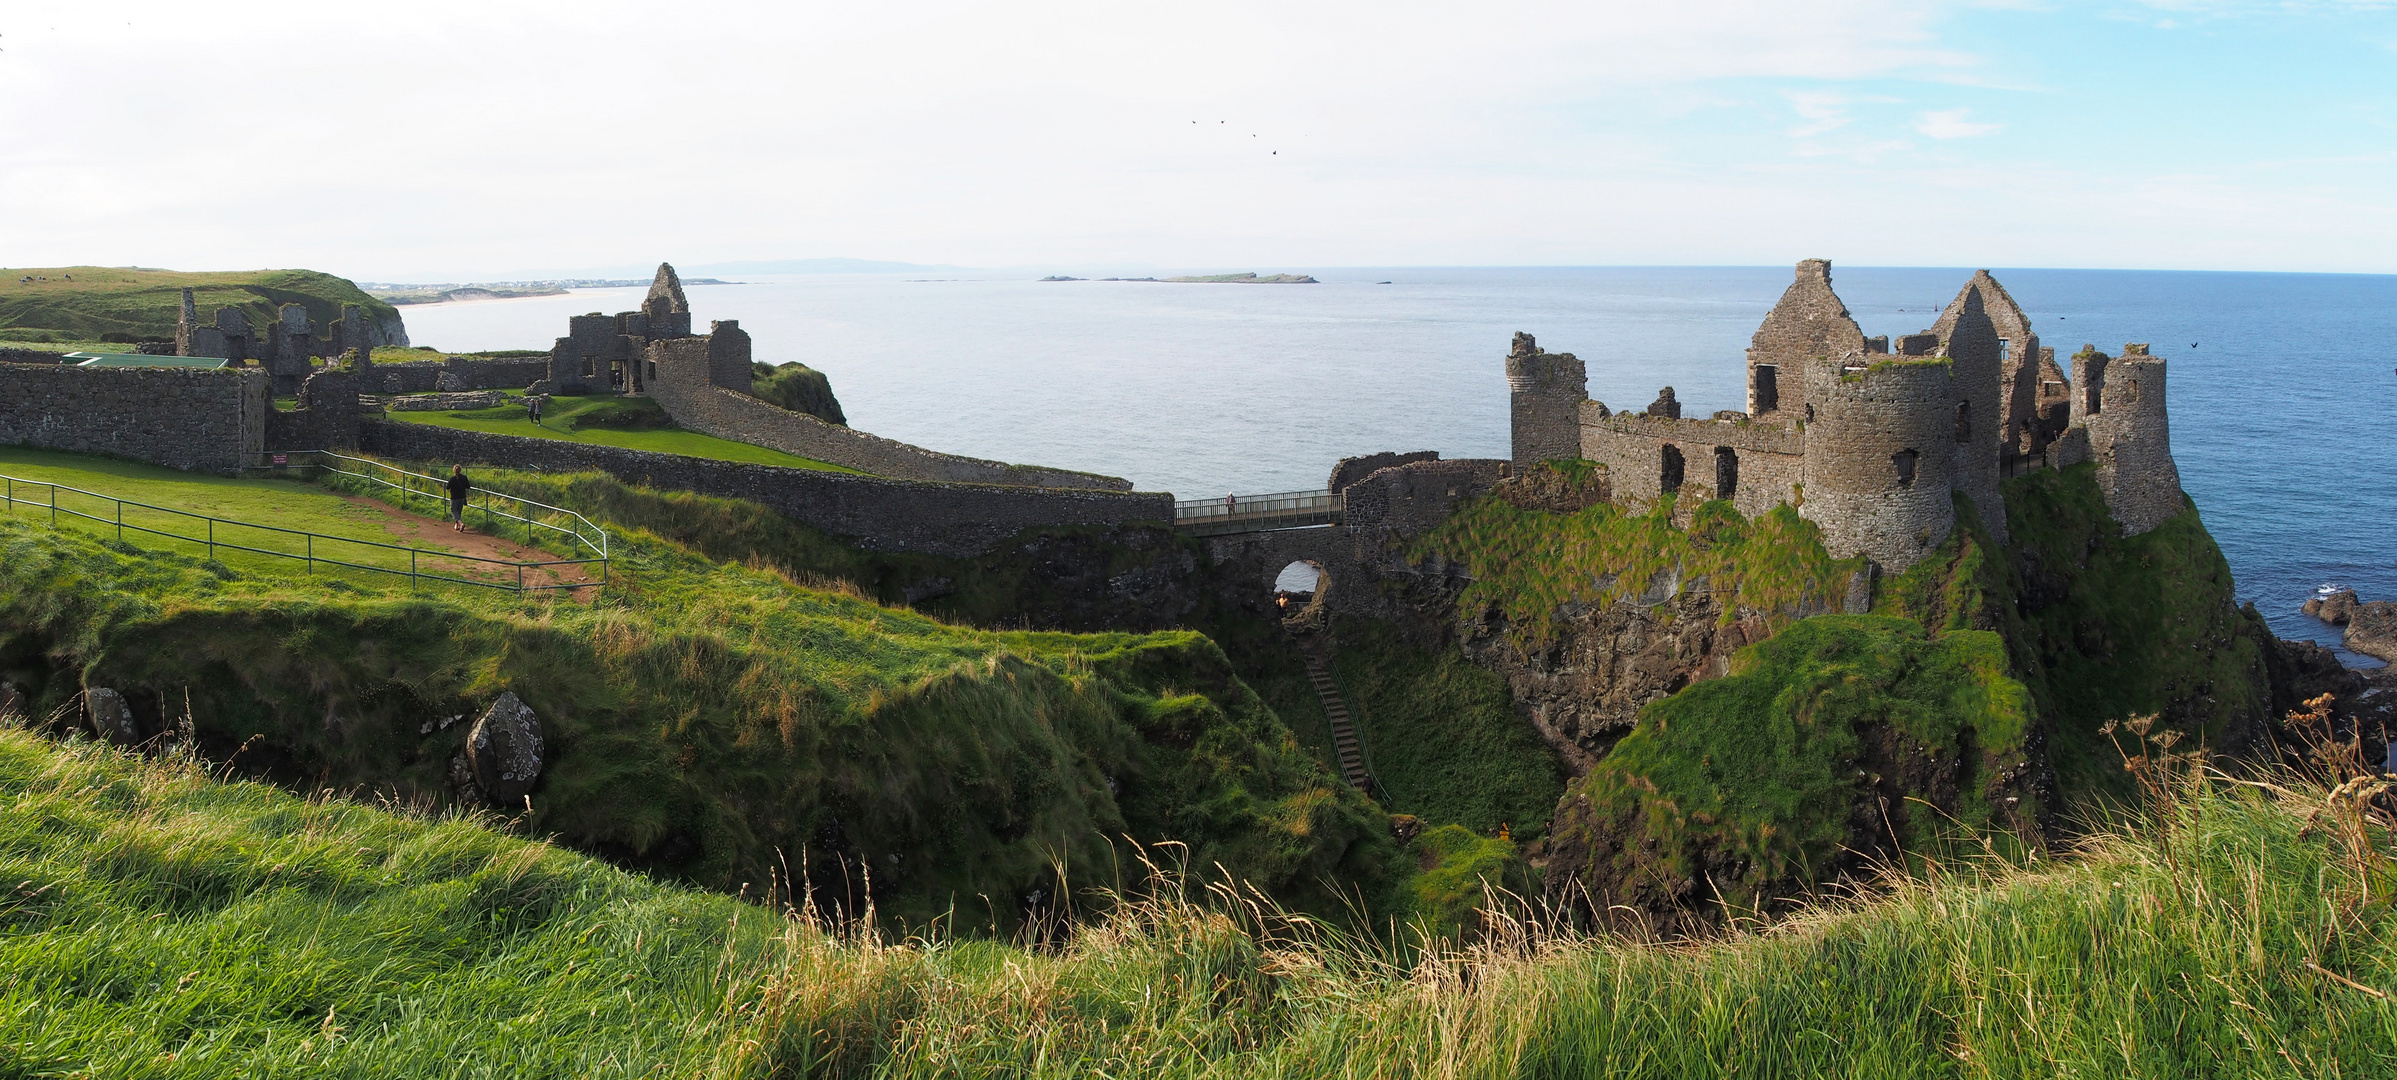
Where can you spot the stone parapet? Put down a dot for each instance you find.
(878, 514)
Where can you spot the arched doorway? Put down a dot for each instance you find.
(1298, 592)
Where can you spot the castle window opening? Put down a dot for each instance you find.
(1726, 472)
(590, 365)
(1668, 478)
(1964, 421)
(1904, 460)
(1768, 388)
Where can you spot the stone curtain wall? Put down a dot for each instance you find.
(419, 376)
(2131, 441)
(682, 386)
(960, 520)
(207, 421)
(1771, 455)
(29, 356)
(326, 419)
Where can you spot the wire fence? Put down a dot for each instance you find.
(64, 505)
(494, 510)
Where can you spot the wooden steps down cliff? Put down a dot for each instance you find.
(1344, 733)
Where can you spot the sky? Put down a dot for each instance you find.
(453, 141)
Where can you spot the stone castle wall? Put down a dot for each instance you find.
(683, 384)
(208, 421)
(1352, 469)
(1975, 358)
(1769, 456)
(326, 419)
(421, 376)
(1870, 428)
(2131, 441)
(1809, 323)
(961, 520)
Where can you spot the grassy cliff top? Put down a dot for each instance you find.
(157, 922)
(81, 303)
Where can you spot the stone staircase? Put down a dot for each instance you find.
(1344, 733)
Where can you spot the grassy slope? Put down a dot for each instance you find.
(717, 720)
(799, 388)
(145, 303)
(168, 925)
(280, 504)
(608, 421)
(1444, 739)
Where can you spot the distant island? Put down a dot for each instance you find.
(447, 292)
(1233, 279)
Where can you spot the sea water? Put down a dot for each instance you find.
(2277, 381)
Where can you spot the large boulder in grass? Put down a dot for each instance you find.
(503, 751)
(110, 716)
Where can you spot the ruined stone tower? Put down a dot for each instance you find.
(1880, 457)
(2130, 436)
(1545, 392)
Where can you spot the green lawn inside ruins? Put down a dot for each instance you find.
(608, 420)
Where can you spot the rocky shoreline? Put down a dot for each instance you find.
(2371, 625)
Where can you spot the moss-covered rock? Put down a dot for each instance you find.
(799, 388)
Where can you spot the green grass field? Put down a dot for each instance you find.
(606, 421)
(241, 505)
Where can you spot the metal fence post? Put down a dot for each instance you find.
(412, 582)
(120, 521)
(212, 538)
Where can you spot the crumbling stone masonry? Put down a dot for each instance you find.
(185, 418)
(1868, 441)
(292, 344)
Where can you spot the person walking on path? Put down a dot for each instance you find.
(459, 486)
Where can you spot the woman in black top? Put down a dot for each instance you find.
(459, 485)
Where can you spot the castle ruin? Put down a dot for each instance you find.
(611, 352)
(288, 350)
(1869, 441)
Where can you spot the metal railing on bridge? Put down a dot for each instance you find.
(1258, 513)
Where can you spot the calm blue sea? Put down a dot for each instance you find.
(2277, 380)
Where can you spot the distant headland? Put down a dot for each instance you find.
(1251, 278)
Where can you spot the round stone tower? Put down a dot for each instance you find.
(1880, 456)
(2130, 438)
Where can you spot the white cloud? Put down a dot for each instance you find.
(1951, 124)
